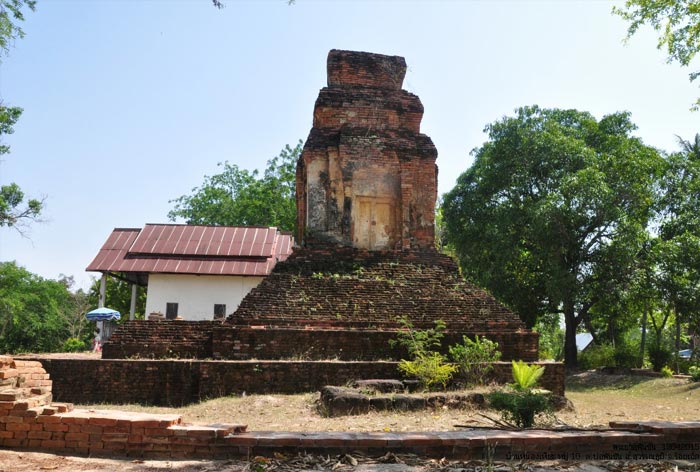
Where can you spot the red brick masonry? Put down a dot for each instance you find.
(28, 420)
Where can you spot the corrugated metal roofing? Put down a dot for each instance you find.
(189, 249)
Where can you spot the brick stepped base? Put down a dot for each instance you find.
(161, 339)
(344, 286)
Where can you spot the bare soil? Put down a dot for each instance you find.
(597, 398)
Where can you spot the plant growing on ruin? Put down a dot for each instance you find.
(418, 341)
(427, 365)
(520, 403)
(475, 358)
(431, 369)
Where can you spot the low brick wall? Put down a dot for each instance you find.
(171, 339)
(240, 343)
(140, 339)
(180, 382)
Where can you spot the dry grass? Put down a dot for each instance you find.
(598, 399)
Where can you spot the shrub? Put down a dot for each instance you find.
(520, 404)
(627, 355)
(475, 358)
(666, 372)
(694, 372)
(659, 356)
(430, 369)
(418, 341)
(74, 345)
(519, 407)
(594, 357)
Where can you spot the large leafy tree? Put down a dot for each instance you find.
(15, 211)
(238, 197)
(553, 212)
(34, 311)
(676, 21)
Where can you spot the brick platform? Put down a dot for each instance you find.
(28, 420)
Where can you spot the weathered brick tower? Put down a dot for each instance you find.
(367, 177)
(366, 192)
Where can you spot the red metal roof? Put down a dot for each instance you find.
(189, 249)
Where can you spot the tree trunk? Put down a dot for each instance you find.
(644, 335)
(570, 351)
(676, 355)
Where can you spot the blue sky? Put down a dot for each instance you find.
(128, 104)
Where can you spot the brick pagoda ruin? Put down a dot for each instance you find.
(366, 193)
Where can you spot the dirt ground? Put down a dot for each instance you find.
(12, 461)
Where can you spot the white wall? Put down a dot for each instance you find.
(197, 294)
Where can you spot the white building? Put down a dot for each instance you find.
(192, 272)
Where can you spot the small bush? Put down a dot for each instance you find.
(519, 407)
(627, 355)
(659, 356)
(418, 341)
(430, 369)
(666, 372)
(694, 372)
(594, 357)
(74, 345)
(475, 358)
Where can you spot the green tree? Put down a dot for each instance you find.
(237, 197)
(553, 212)
(33, 311)
(676, 21)
(14, 210)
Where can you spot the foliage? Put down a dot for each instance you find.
(519, 407)
(118, 297)
(429, 368)
(237, 197)
(14, 210)
(10, 16)
(553, 212)
(676, 21)
(694, 372)
(526, 376)
(667, 372)
(33, 311)
(551, 342)
(475, 358)
(74, 345)
(597, 356)
(659, 356)
(521, 404)
(418, 341)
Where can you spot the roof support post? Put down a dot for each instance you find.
(103, 286)
(132, 308)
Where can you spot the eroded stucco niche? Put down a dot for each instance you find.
(367, 176)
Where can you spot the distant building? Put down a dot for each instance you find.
(192, 272)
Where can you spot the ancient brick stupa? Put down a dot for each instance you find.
(366, 192)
